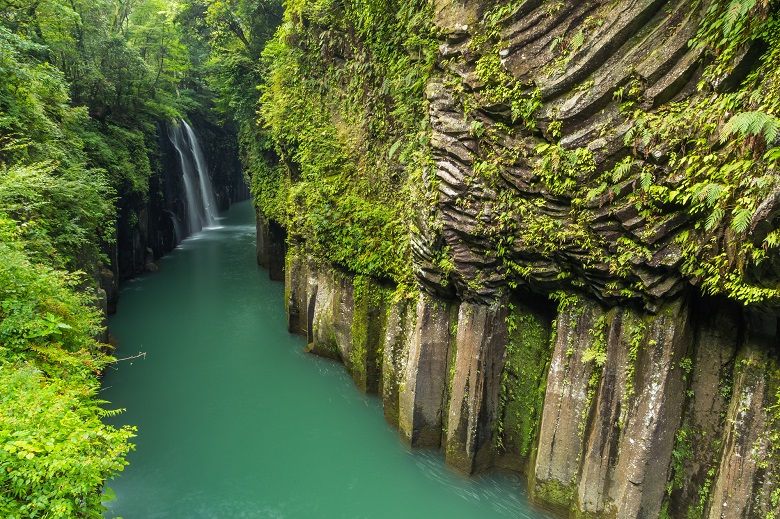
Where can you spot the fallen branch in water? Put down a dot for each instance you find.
(140, 354)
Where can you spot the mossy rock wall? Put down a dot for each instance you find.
(582, 153)
(610, 412)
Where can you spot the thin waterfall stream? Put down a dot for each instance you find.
(236, 421)
(200, 203)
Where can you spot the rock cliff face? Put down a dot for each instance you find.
(630, 395)
(610, 412)
(146, 229)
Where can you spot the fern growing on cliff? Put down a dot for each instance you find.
(751, 124)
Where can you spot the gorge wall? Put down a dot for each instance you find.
(608, 411)
(592, 295)
(149, 227)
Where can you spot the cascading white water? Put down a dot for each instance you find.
(206, 193)
(200, 202)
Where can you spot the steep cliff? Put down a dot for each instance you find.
(585, 287)
(147, 223)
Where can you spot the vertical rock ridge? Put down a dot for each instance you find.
(747, 477)
(699, 439)
(398, 336)
(566, 406)
(473, 408)
(642, 469)
(423, 385)
(624, 414)
(612, 401)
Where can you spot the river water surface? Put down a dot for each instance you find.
(235, 421)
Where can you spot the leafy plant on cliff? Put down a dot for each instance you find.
(55, 452)
(82, 86)
(722, 146)
(345, 109)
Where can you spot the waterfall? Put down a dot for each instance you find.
(206, 193)
(199, 196)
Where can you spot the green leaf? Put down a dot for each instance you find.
(715, 217)
(742, 218)
(746, 124)
(393, 148)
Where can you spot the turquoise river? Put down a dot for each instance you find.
(236, 421)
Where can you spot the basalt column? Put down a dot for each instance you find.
(423, 384)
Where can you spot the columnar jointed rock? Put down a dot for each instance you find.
(424, 382)
(747, 481)
(473, 408)
(642, 469)
(566, 407)
(615, 396)
(612, 404)
(652, 399)
(398, 337)
(528, 121)
(709, 376)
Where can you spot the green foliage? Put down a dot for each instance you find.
(722, 151)
(82, 87)
(682, 452)
(55, 452)
(637, 329)
(559, 168)
(523, 381)
(61, 215)
(729, 25)
(751, 124)
(596, 353)
(344, 107)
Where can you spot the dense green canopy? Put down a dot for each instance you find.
(83, 88)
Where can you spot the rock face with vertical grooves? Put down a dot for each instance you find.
(637, 414)
(638, 396)
(566, 406)
(747, 467)
(424, 378)
(480, 355)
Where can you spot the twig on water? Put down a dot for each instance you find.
(140, 354)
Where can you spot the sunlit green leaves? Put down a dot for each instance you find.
(344, 105)
(55, 452)
(745, 124)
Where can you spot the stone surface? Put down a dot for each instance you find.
(633, 404)
(740, 489)
(398, 337)
(263, 240)
(331, 308)
(612, 403)
(296, 294)
(633, 42)
(423, 383)
(475, 385)
(642, 469)
(566, 407)
(709, 382)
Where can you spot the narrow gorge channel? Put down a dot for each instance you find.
(235, 420)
